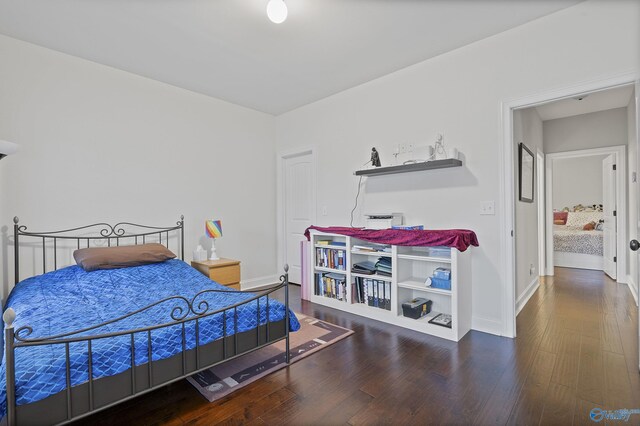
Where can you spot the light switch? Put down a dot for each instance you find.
(487, 208)
(324, 210)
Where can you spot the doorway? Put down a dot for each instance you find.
(509, 184)
(298, 186)
(587, 186)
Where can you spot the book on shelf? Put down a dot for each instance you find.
(331, 243)
(331, 285)
(372, 292)
(364, 248)
(331, 258)
(372, 249)
(367, 267)
(383, 266)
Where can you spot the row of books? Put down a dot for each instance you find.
(372, 292)
(331, 258)
(331, 285)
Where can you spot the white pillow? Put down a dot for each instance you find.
(582, 218)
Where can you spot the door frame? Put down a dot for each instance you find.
(620, 153)
(281, 228)
(542, 203)
(507, 181)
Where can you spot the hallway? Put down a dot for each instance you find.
(581, 331)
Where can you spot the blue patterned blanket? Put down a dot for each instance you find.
(70, 299)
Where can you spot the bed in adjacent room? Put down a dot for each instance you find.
(578, 240)
(82, 340)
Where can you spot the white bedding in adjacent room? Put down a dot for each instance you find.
(574, 239)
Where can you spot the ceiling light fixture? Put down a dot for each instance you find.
(277, 11)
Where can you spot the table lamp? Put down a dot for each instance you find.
(214, 230)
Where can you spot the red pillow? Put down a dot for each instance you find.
(560, 216)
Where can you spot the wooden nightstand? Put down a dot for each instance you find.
(223, 271)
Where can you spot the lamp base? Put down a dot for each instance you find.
(214, 255)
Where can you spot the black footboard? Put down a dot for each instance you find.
(97, 394)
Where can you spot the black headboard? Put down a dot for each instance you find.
(125, 232)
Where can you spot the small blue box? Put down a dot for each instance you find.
(442, 273)
(440, 283)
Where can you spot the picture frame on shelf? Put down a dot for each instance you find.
(443, 320)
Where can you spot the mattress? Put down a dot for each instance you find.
(576, 240)
(70, 299)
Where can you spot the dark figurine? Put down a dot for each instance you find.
(375, 158)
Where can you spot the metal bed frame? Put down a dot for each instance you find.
(79, 401)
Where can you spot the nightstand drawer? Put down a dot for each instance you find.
(222, 271)
(226, 275)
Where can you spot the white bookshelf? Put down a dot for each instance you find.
(410, 268)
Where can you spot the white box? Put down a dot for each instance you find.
(383, 220)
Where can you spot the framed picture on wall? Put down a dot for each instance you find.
(526, 165)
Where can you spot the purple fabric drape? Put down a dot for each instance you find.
(458, 238)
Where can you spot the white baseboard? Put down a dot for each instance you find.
(255, 283)
(486, 325)
(633, 287)
(526, 295)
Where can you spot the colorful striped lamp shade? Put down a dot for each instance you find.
(213, 228)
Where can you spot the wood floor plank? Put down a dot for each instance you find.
(528, 408)
(582, 412)
(565, 371)
(590, 385)
(617, 384)
(559, 405)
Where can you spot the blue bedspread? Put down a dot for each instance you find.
(70, 299)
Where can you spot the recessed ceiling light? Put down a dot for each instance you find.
(277, 11)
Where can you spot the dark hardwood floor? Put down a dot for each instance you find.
(577, 349)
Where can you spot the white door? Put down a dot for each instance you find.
(609, 215)
(298, 208)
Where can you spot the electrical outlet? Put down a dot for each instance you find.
(325, 211)
(402, 148)
(410, 148)
(487, 208)
(532, 269)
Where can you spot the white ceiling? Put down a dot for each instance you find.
(599, 101)
(230, 50)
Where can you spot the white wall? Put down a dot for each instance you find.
(632, 258)
(459, 93)
(99, 144)
(527, 128)
(577, 181)
(585, 131)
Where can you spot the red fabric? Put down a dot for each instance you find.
(458, 238)
(560, 216)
